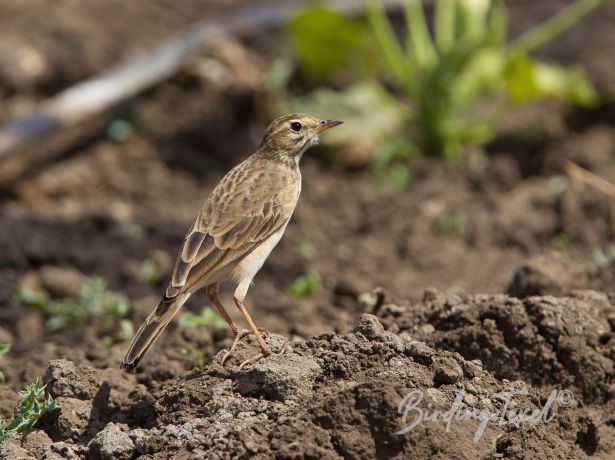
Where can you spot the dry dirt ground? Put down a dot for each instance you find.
(497, 271)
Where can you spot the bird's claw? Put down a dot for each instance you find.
(241, 333)
(264, 354)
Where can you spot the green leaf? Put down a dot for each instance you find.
(530, 80)
(418, 43)
(304, 285)
(4, 348)
(27, 297)
(394, 55)
(324, 40)
(444, 28)
(497, 23)
(198, 356)
(28, 412)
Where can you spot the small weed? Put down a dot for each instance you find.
(4, 349)
(94, 301)
(197, 355)
(304, 285)
(29, 411)
(207, 317)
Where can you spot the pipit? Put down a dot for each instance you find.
(241, 222)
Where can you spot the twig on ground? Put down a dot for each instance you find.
(101, 92)
(580, 176)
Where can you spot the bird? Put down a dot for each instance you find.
(240, 223)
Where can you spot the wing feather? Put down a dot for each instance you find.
(242, 212)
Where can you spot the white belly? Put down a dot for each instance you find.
(251, 264)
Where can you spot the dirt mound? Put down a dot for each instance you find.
(564, 341)
(332, 396)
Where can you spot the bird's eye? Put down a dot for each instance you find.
(296, 126)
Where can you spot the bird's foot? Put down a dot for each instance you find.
(240, 334)
(266, 352)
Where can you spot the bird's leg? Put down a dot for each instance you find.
(265, 350)
(240, 333)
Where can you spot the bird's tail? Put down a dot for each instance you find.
(150, 330)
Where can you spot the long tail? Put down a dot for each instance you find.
(150, 330)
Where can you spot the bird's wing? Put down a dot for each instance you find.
(242, 212)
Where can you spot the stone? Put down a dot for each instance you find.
(112, 443)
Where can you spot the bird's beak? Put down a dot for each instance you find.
(327, 124)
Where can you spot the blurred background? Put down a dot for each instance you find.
(476, 157)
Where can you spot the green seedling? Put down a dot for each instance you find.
(29, 411)
(197, 355)
(94, 301)
(207, 317)
(4, 349)
(305, 285)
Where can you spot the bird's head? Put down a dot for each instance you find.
(291, 135)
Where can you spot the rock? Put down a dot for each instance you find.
(544, 275)
(11, 450)
(38, 444)
(64, 449)
(447, 371)
(61, 281)
(420, 352)
(112, 444)
(369, 326)
(279, 377)
(433, 296)
(65, 378)
(73, 418)
(5, 335)
(473, 368)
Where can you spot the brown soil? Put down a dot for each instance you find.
(505, 220)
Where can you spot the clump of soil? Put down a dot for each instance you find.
(564, 341)
(332, 396)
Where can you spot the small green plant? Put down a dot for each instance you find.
(304, 285)
(197, 355)
(94, 300)
(207, 317)
(4, 349)
(29, 411)
(452, 82)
